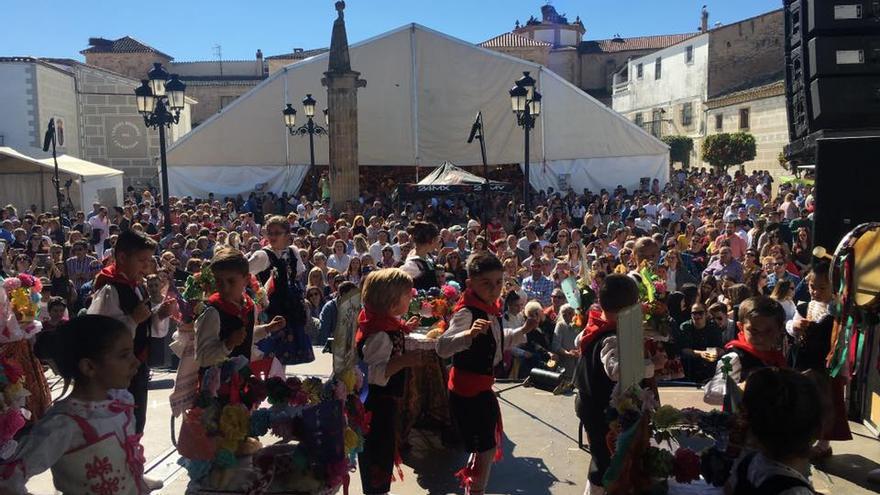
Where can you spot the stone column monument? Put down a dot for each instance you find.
(342, 84)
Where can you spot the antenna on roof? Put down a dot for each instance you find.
(218, 52)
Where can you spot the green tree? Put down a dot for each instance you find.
(680, 148)
(724, 150)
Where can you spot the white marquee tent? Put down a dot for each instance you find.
(423, 90)
(25, 180)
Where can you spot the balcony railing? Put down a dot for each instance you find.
(621, 87)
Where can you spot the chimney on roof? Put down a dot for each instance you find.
(99, 42)
(704, 20)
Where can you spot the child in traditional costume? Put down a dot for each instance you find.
(757, 345)
(380, 338)
(19, 325)
(279, 266)
(227, 327)
(810, 332)
(780, 409)
(87, 439)
(476, 343)
(120, 294)
(598, 371)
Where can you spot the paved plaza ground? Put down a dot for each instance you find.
(541, 450)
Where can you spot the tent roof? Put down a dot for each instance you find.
(423, 90)
(448, 174)
(15, 162)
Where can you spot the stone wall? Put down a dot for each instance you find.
(747, 51)
(212, 97)
(598, 68)
(56, 98)
(566, 63)
(113, 132)
(133, 65)
(18, 122)
(767, 122)
(536, 54)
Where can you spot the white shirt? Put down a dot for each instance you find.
(376, 251)
(209, 349)
(339, 263)
(259, 261)
(457, 339)
(106, 302)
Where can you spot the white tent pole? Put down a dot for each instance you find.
(543, 127)
(286, 180)
(414, 115)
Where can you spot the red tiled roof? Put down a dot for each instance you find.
(299, 55)
(511, 40)
(126, 44)
(656, 42)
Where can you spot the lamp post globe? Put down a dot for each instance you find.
(289, 114)
(528, 82)
(518, 97)
(146, 102)
(309, 106)
(175, 91)
(158, 78)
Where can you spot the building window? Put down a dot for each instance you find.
(639, 120)
(226, 100)
(640, 71)
(689, 54)
(656, 123)
(658, 67)
(719, 122)
(687, 114)
(743, 118)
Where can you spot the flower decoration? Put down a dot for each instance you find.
(686, 465)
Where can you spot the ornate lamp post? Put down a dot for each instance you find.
(160, 100)
(526, 104)
(310, 128)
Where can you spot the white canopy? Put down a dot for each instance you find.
(25, 180)
(423, 90)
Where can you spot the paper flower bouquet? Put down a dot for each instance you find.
(321, 427)
(434, 307)
(13, 415)
(20, 306)
(645, 442)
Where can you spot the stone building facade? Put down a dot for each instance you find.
(33, 91)
(759, 111)
(588, 64)
(97, 109)
(746, 53)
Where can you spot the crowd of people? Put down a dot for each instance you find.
(717, 241)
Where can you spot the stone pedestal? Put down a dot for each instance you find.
(342, 84)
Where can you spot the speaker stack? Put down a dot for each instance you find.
(832, 78)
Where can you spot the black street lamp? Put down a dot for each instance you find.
(160, 100)
(310, 128)
(526, 104)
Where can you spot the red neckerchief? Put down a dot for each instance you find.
(112, 274)
(371, 323)
(596, 327)
(243, 312)
(770, 358)
(470, 299)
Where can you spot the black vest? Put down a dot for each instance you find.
(749, 363)
(287, 299)
(230, 323)
(397, 382)
(128, 300)
(427, 277)
(479, 358)
(593, 384)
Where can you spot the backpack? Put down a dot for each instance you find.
(773, 485)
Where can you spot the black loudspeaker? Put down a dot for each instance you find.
(832, 65)
(846, 186)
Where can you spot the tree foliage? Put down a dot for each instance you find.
(680, 148)
(725, 150)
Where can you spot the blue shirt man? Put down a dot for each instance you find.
(537, 286)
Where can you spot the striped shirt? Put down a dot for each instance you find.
(82, 270)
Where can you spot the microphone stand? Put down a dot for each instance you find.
(477, 133)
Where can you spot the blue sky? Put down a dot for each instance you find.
(61, 28)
